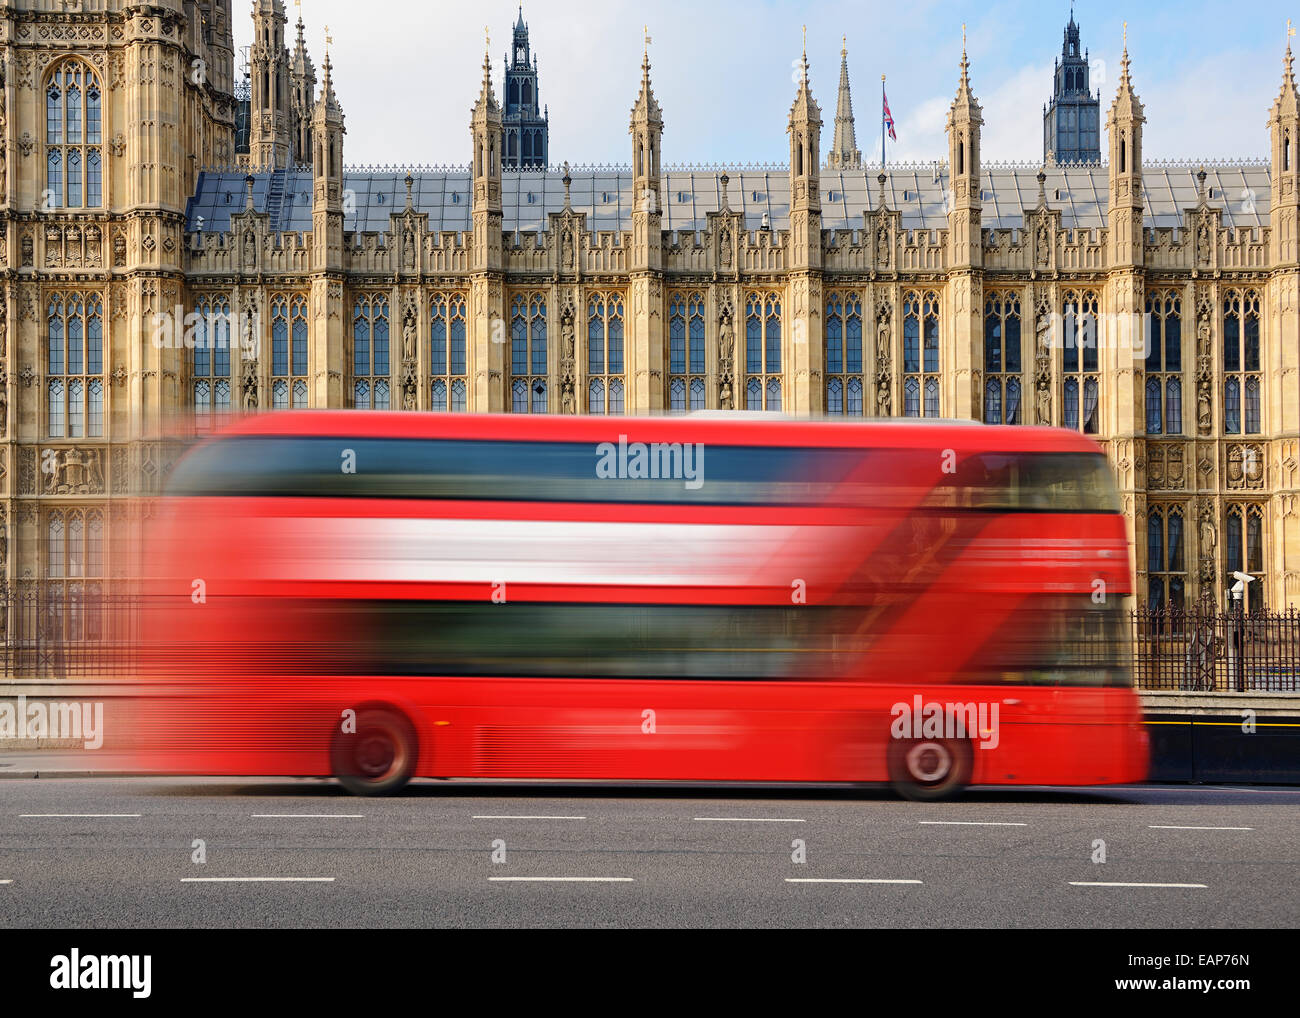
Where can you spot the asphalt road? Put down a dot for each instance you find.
(1200, 857)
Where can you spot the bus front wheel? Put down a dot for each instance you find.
(379, 757)
(929, 770)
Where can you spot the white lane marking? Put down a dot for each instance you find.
(526, 818)
(314, 816)
(565, 880)
(72, 815)
(1107, 883)
(1170, 827)
(844, 880)
(257, 880)
(751, 820)
(6, 881)
(975, 823)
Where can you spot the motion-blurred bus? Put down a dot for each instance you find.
(386, 596)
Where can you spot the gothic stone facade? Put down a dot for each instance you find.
(949, 289)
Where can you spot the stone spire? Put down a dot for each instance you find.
(844, 154)
(646, 128)
(302, 99)
(1284, 151)
(1125, 210)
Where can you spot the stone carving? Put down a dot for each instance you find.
(72, 471)
(1043, 362)
(882, 245)
(1203, 248)
(1204, 371)
(27, 470)
(1043, 242)
(1245, 466)
(250, 250)
(1165, 466)
(28, 251)
(1208, 540)
(119, 251)
(410, 316)
(726, 361)
(724, 248)
(568, 372)
(250, 384)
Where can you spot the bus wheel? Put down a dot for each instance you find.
(929, 770)
(379, 757)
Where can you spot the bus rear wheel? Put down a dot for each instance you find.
(379, 757)
(929, 770)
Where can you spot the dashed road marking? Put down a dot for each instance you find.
(1119, 883)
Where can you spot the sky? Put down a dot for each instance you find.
(724, 71)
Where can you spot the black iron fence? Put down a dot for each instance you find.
(1205, 649)
(72, 630)
(76, 630)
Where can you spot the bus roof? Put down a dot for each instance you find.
(724, 428)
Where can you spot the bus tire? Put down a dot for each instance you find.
(380, 756)
(930, 770)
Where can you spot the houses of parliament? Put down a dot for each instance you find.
(143, 179)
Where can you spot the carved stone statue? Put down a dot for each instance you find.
(724, 248)
(882, 245)
(1204, 409)
(882, 347)
(726, 363)
(1203, 243)
(410, 385)
(882, 396)
(409, 317)
(1208, 539)
(250, 384)
(1043, 403)
(1043, 242)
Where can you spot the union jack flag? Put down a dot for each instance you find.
(889, 117)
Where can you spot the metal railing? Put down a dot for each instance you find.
(72, 631)
(1206, 649)
(75, 630)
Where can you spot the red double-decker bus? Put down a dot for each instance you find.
(382, 596)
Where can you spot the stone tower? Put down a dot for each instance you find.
(965, 252)
(1072, 118)
(525, 122)
(271, 110)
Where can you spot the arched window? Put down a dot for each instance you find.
(528, 354)
(1002, 385)
(1164, 364)
(1166, 558)
(605, 394)
(686, 386)
(1244, 547)
(73, 137)
(921, 354)
(289, 352)
(1241, 363)
(370, 348)
(763, 351)
(844, 377)
(210, 363)
(75, 366)
(528, 93)
(1082, 379)
(447, 333)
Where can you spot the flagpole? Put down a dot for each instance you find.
(882, 121)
